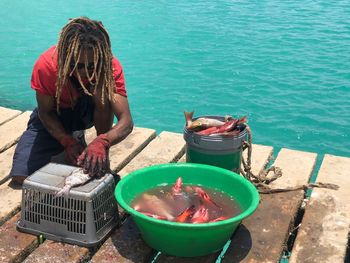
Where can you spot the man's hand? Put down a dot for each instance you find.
(72, 149)
(94, 157)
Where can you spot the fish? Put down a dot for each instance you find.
(188, 118)
(154, 205)
(205, 196)
(220, 218)
(224, 129)
(230, 133)
(154, 215)
(200, 216)
(75, 178)
(203, 122)
(178, 198)
(186, 214)
(177, 188)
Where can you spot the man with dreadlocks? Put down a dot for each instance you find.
(78, 84)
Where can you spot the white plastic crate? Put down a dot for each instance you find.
(84, 217)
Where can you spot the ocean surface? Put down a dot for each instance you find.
(284, 64)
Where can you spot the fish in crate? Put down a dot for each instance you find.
(62, 203)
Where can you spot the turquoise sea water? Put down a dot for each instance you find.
(285, 64)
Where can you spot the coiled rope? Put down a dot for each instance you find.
(262, 180)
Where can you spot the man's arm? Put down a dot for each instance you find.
(50, 120)
(94, 157)
(48, 116)
(103, 122)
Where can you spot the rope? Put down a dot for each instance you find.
(262, 180)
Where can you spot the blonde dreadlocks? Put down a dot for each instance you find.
(82, 34)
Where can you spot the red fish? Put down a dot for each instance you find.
(230, 133)
(154, 216)
(188, 213)
(200, 216)
(208, 131)
(225, 128)
(221, 218)
(177, 188)
(204, 195)
(231, 125)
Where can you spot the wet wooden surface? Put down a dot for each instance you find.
(262, 237)
(323, 235)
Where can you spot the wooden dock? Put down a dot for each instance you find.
(314, 229)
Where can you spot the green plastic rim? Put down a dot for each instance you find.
(249, 187)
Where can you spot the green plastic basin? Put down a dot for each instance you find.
(182, 239)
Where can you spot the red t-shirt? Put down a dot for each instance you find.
(44, 78)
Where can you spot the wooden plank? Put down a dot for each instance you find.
(14, 245)
(10, 202)
(167, 147)
(119, 154)
(323, 235)
(9, 134)
(262, 236)
(12, 130)
(126, 244)
(55, 252)
(297, 167)
(11, 197)
(6, 161)
(7, 114)
(261, 155)
(182, 159)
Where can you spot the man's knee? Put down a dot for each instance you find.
(18, 179)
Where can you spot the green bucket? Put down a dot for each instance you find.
(220, 151)
(182, 239)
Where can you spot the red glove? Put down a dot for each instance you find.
(72, 149)
(94, 157)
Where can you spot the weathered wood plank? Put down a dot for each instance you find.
(182, 159)
(12, 130)
(126, 244)
(6, 161)
(297, 167)
(10, 202)
(119, 155)
(11, 197)
(7, 114)
(260, 157)
(167, 147)
(14, 245)
(9, 134)
(55, 252)
(262, 236)
(323, 235)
